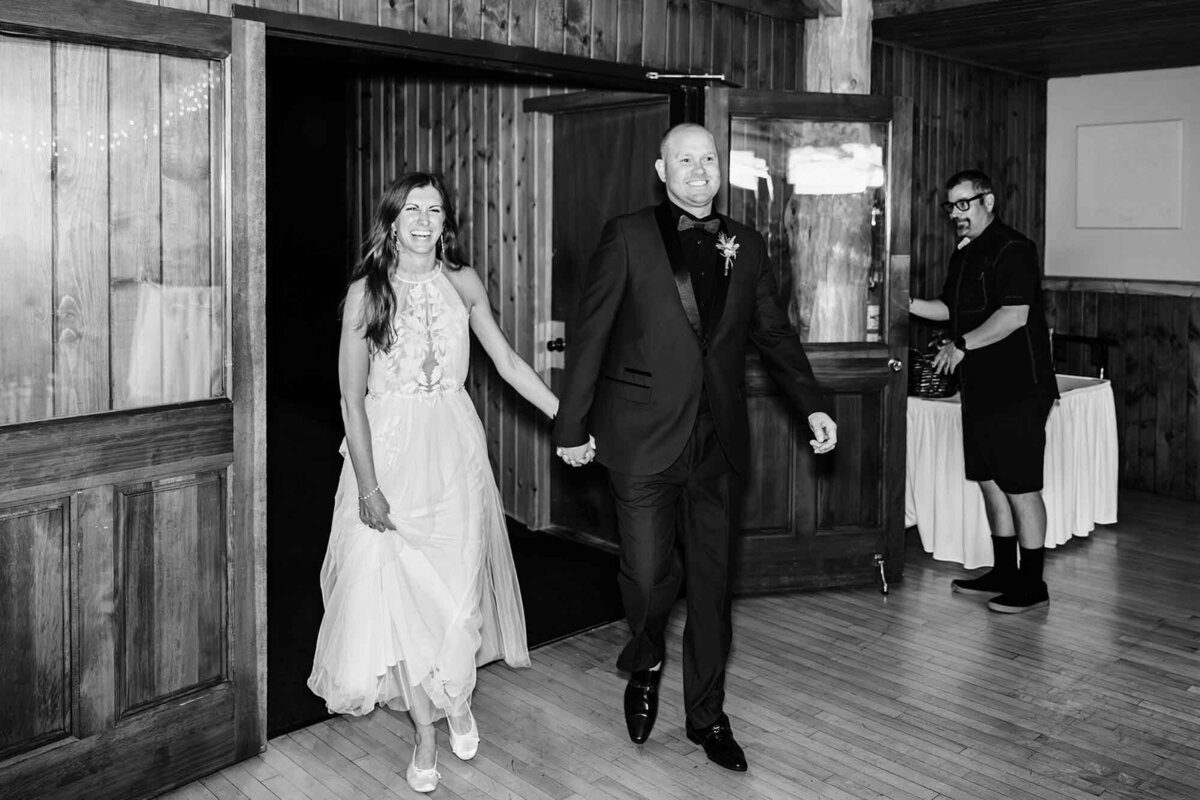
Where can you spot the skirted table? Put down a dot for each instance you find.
(1080, 480)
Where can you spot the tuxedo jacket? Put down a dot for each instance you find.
(635, 366)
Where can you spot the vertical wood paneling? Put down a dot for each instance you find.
(433, 16)
(604, 29)
(494, 21)
(26, 201)
(494, 278)
(753, 74)
(549, 35)
(629, 31)
(577, 27)
(34, 655)
(522, 23)
(401, 14)
(722, 54)
(679, 36)
(81, 230)
(654, 33)
(965, 116)
(1154, 372)
(701, 36)
(366, 11)
(319, 8)
(1192, 467)
(465, 19)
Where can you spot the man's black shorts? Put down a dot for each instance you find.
(1008, 446)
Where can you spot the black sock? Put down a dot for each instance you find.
(1004, 555)
(1031, 566)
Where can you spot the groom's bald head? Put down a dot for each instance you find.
(675, 131)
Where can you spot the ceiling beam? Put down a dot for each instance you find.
(792, 10)
(906, 8)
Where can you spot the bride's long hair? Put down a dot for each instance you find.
(380, 257)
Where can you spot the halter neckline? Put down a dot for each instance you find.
(418, 277)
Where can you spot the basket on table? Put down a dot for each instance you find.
(923, 381)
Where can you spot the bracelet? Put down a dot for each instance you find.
(368, 494)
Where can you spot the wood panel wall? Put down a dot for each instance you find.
(751, 49)
(965, 117)
(476, 135)
(1154, 369)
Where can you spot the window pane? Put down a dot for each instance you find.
(816, 190)
(111, 251)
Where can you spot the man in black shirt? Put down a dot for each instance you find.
(1000, 348)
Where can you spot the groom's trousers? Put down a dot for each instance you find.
(689, 503)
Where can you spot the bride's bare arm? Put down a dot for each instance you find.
(354, 361)
(512, 368)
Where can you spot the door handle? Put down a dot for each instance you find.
(556, 345)
(896, 364)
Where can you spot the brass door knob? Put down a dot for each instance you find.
(896, 364)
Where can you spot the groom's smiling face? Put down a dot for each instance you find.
(690, 169)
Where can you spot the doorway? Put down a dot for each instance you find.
(340, 124)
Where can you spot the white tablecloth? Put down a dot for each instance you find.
(1080, 488)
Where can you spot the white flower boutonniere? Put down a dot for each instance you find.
(728, 247)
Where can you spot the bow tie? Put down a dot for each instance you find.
(686, 223)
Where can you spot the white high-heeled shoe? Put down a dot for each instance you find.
(465, 744)
(422, 780)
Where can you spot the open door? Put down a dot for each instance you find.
(619, 132)
(131, 397)
(826, 179)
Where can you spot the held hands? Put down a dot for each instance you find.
(580, 454)
(824, 432)
(374, 512)
(947, 358)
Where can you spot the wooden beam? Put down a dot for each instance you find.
(908, 8)
(118, 23)
(790, 10)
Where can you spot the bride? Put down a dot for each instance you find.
(418, 580)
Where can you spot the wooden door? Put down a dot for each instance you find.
(619, 133)
(825, 179)
(131, 397)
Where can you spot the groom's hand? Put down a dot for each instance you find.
(824, 432)
(580, 454)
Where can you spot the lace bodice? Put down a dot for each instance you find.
(432, 350)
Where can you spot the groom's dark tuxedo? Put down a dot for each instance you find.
(655, 371)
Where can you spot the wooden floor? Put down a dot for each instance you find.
(844, 694)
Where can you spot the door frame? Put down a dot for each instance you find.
(240, 46)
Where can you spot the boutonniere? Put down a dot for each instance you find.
(728, 247)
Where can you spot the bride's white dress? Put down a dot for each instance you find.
(410, 613)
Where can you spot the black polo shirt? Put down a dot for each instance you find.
(1000, 268)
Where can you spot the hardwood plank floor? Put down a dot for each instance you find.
(844, 694)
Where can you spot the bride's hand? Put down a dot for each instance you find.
(374, 512)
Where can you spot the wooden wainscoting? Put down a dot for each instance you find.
(1154, 367)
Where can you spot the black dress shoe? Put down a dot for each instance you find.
(641, 703)
(719, 745)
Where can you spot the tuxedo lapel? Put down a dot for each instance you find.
(679, 270)
(721, 286)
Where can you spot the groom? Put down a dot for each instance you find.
(654, 389)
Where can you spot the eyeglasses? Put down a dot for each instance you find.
(962, 205)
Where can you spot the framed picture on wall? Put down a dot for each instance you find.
(1129, 175)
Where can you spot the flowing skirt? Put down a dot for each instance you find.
(411, 613)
